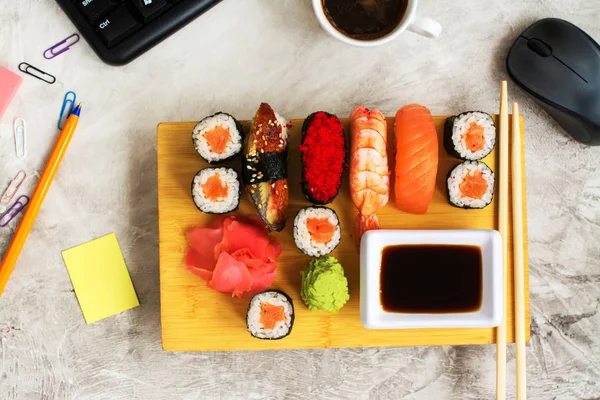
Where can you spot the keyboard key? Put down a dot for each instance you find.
(93, 9)
(149, 9)
(116, 25)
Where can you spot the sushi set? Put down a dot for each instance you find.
(266, 244)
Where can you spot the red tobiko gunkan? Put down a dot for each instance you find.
(324, 157)
(234, 255)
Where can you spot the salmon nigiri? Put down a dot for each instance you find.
(369, 173)
(416, 158)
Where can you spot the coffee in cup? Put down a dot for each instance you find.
(364, 19)
(368, 23)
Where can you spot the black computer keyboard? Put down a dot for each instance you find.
(121, 30)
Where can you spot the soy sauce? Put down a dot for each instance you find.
(364, 19)
(431, 279)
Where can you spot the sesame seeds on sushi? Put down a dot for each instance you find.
(270, 315)
(470, 135)
(471, 185)
(218, 137)
(264, 166)
(216, 190)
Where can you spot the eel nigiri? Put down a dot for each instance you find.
(416, 159)
(369, 173)
(264, 166)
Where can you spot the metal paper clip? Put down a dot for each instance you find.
(66, 109)
(20, 138)
(13, 187)
(37, 73)
(61, 47)
(14, 210)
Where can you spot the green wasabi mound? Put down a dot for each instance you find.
(324, 286)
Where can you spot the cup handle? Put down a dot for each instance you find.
(425, 27)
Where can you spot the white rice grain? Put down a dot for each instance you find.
(283, 122)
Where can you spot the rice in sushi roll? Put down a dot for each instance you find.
(216, 190)
(218, 137)
(470, 135)
(317, 231)
(471, 185)
(270, 315)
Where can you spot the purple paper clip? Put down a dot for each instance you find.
(13, 188)
(62, 46)
(13, 211)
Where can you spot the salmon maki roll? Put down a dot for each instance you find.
(270, 315)
(317, 231)
(218, 137)
(216, 190)
(264, 166)
(471, 185)
(416, 159)
(470, 135)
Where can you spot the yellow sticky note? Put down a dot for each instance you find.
(100, 278)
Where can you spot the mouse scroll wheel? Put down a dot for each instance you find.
(539, 47)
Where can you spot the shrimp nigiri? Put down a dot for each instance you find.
(369, 172)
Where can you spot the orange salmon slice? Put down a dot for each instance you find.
(217, 139)
(473, 185)
(270, 315)
(417, 158)
(320, 229)
(473, 137)
(214, 189)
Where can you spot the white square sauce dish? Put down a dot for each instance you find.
(431, 279)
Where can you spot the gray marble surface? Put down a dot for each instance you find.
(241, 53)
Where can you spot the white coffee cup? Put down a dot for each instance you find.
(410, 21)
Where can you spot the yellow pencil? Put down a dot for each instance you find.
(15, 247)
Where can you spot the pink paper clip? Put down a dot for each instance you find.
(13, 188)
(61, 47)
(14, 210)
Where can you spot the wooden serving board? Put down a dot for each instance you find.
(196, 318)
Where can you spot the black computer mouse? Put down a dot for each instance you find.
(559, 65)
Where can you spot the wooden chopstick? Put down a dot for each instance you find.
(503, 228)
(517, 201)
